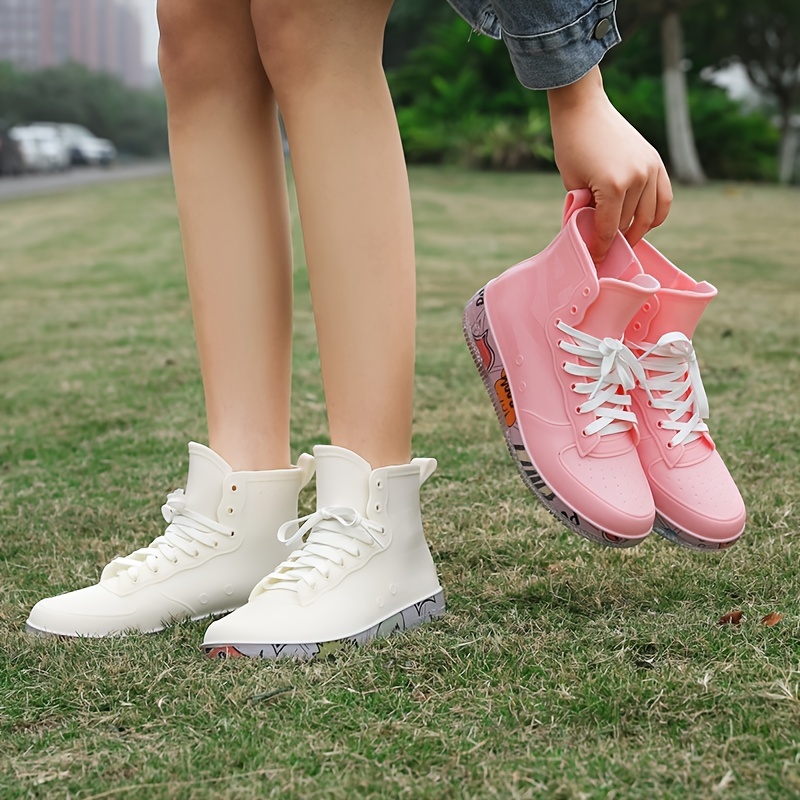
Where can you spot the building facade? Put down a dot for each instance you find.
(104, 35)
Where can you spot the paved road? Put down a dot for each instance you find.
(29, 185)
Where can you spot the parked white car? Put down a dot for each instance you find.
(51, 145)
(34, 146)
(84, 147)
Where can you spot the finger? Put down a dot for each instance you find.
(644, 214)
(664, 202)
(633, 197)
(608, 203)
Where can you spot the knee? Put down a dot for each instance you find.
(304, 43)
(191, 36)
(176, 41)
(284, 33)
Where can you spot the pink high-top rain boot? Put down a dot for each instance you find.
(546, 337)
(697, 502)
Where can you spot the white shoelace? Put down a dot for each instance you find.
(610, 367)
(186, 532)
(332, 533)
(673, 383)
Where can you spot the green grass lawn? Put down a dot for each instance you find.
(562, 670)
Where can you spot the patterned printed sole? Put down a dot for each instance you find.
(426, 610)
(672, 533)
(486, 356)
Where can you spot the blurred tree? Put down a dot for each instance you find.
(411, 23)
(681, 145)
(458, 99)
(764, 36)
(680, 135)
(134, 120)
(761, 35)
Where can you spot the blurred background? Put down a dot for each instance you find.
(79, 84)
(713, 84)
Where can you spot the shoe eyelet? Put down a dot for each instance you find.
(649, 403)
(557, 322)
(378, 507)
(216, 543)
(233, 488)
(578, 410)
(659, 424)
(583, 433)
(230, 511)
(155, 570)
(379, 484)
(637, 326)
(669, 445)
(646, 307)
(573, 310)
(233, 533)
(586, 291)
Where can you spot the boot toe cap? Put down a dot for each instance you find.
(91, 612)
(277, 618)
(701, 500)
(610, 492)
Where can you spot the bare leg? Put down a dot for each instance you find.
(230, 180)
(324, 62)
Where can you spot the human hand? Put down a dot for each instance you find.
(598, 149)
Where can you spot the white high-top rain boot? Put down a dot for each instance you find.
(219, 542)
(362, 568)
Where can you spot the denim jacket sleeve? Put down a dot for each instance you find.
(552, 43)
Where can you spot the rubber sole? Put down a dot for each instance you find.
(676, 535)
(486, 355)
(30, 629)
(424, 611)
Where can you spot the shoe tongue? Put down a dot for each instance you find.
(207, 471)
(342, 478)
(680, 310)
(616, 304)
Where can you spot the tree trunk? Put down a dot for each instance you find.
(788, 147)
(680, 137)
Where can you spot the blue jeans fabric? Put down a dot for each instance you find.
(552, 43)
